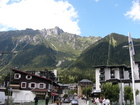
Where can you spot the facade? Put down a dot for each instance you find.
(26, 85)
(73, 86)
(117, 75)
(82, 84)
(65, 89)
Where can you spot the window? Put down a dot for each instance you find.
(32, 85)
(102, 70)
(28, 77)
(112, 73)
(102, 74)
(17, 76)
(41, 85)
(23, 84)
(121, 73)
(130, 75)
(139, 69)
(102, 77)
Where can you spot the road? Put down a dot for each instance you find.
(81, 102)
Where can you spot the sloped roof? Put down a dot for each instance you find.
(85, 80)
(51, 81)
(110, 66)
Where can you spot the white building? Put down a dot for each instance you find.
(118, 75)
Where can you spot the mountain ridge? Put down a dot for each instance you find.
(72, 55)
(62, 46)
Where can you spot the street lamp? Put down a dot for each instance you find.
(132, 53)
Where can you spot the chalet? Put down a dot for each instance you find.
(117, 75)
(26, 85)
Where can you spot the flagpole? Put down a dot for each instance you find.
(131, 52)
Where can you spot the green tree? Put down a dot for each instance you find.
(137, 92)
(72, 92)
(87, 91)
(110, 91)
(128, 94)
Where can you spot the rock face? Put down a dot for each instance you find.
(52, 31)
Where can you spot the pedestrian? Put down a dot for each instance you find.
(101, 100)
(107, 102)
(47, 100)
(96, 101)
(104, 101)
(93, 100)
(36, 100)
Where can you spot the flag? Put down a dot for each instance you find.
(131, 46)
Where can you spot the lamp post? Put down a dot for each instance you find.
(132, 53)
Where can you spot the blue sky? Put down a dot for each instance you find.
(81, 17)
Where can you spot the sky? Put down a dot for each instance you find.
(81, 17)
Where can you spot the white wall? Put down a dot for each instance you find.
(126, 75)
(136, 73)
(117, 74)
(23, 96)
(97, 79)
(107, 74)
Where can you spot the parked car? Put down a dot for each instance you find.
(66, 100)
(83, 98)
(74, 102)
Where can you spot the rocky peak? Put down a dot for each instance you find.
(52, 31)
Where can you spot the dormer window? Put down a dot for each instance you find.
(17, 76)
(28, 77)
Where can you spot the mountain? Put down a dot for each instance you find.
(72, 55)
(107, 51)
(40, 49)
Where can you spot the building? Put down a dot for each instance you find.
(24, 86)
(83, 84)
(117, 75)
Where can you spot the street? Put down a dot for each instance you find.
(81, 102)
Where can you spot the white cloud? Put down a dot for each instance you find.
(3, 2)
(134, 13)
(39, 14)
